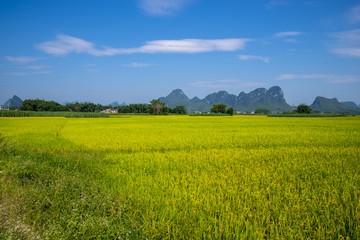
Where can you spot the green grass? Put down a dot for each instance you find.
(180, 177)
(52, 114)
(304, 115)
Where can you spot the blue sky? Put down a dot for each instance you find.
(136, 50)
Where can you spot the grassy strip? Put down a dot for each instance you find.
(52, 114)
(305, 115)
(208, 114)
(119, 115)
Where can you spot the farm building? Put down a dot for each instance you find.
(110, 111)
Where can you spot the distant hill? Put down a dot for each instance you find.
(15, 101)
(350, 104)
(272, 99)
(333, 105)
(117, 104)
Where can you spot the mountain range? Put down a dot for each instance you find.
(332, 105)
(260, 98)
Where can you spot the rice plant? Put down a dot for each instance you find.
(180, 177)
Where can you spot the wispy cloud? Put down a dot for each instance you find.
(36, 67)
(227, 83)
(92, 70)
(162, 7)
(330, 78)
(287, 34)
(27, 73)
(346, 43)
(137, 65)
(303, 76)
(250, 57)
(21, 59)
(354, 15)
(190, 46)
(65, 44)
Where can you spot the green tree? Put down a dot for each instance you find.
(156, 106)
(302, 108)
(262, 111)
(165, 110)
(179, 110)
(230, 111)
(218, 108)
(42, 105)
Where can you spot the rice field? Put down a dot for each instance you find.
(180, 177)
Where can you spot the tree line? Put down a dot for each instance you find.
(40, 105)
(155, 107)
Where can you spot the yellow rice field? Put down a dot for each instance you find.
(181, 177)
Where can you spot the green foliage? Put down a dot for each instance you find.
(135, 108)
(42, 105)
(147, 108)
(262, 111)
(302, 108)
(179, 110)
(230, 111)
(51, 106)
(156, 106)
(218, 108)
(85, 107)
(165, 110)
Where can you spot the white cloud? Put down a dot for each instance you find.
(65, 44)
(303, 76)
(250, 57)
(162, 7)
(287, 34)
(354, 15)
(21, 59)
(227, 83)
(191, 46)
(346, 43)
(330, 78)
(137, 65)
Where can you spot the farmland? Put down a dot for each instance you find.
(180, 177)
